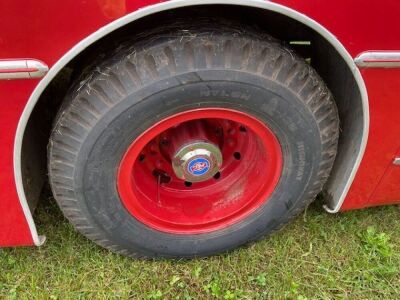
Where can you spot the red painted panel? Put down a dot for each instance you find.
(383, 87)
(13, 226)
(47, 29)
(388, 190)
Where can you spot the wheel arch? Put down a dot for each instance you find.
(354, 125)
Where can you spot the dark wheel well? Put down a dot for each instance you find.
(308, 43)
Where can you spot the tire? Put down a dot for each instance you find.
(167, 73)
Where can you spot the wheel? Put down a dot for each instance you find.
(191, 144)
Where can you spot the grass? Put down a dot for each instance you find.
(352, 255)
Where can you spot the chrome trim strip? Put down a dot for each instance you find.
(22, 69)
(396, 161)
(378, 59)
(146, 11)
(40, 66)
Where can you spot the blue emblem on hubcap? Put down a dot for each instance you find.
(198, 166)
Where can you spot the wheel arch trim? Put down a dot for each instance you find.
(163, 6)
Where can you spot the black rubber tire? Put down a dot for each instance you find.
(169, 71)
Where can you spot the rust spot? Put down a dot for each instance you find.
(112, 9)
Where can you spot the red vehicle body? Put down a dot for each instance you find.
(52, 33)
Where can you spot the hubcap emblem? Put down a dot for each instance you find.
(196, 162)
(199, 166)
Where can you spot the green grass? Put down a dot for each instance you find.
(352, 255)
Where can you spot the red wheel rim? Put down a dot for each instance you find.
(152, 192)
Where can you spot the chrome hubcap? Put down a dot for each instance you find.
(197, 161)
